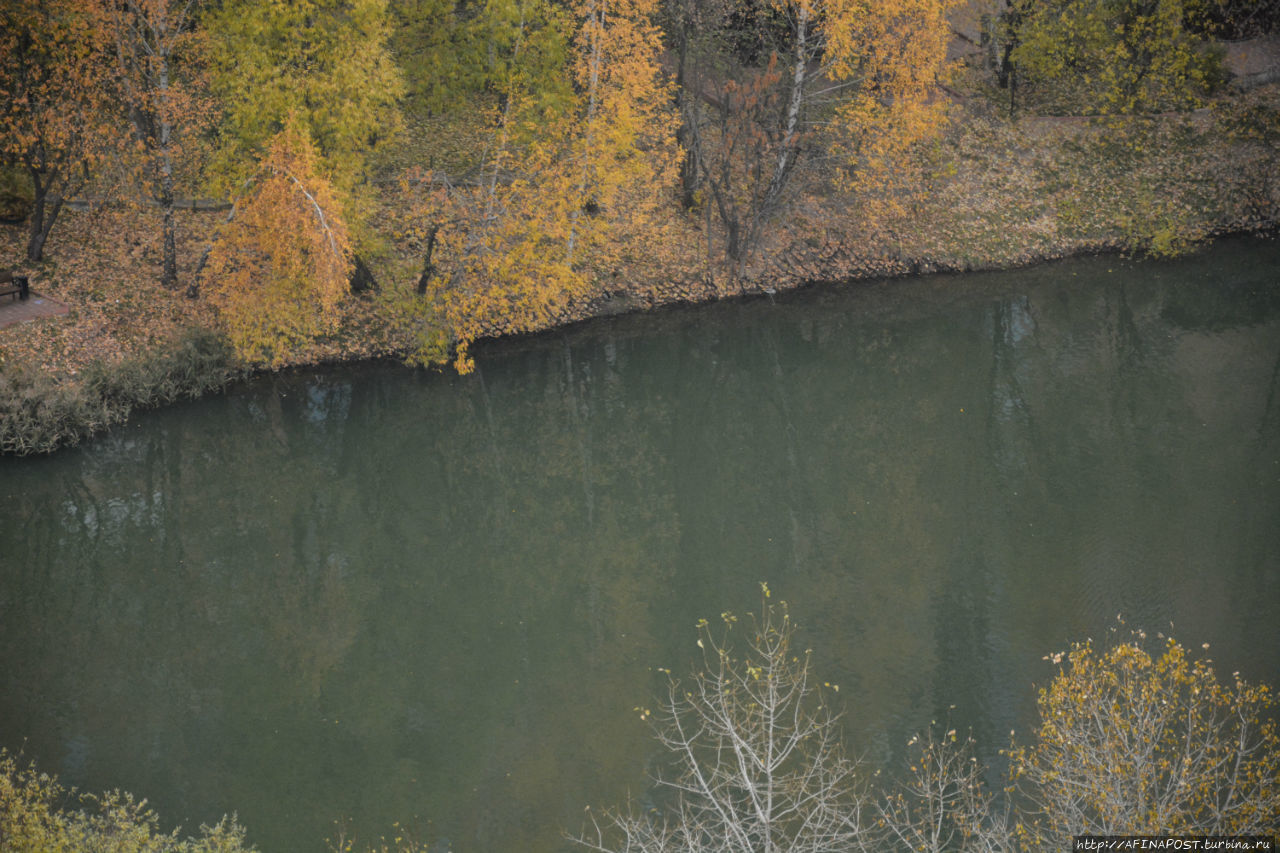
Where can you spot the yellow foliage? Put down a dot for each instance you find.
(626, 142)
(38, 815)
(1133, 743)
(281, 265)
(567, 188)
(896, 51)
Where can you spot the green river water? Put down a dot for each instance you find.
(385, 595)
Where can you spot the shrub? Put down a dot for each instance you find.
(39, 413)
(1114, 57)
(38, 815)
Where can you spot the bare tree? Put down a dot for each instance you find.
(942, 804)
(758, 763)
(743, 121)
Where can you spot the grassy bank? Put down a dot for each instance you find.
(996, 192)
(42, 412)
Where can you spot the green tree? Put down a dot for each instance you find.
(453, 52)
(324, 61)
(1114, 56)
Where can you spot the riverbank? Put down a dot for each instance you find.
(995, 193)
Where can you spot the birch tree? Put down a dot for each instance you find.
(162, 98)
(279, 267)
(854, 78)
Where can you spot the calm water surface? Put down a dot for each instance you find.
(386, 595)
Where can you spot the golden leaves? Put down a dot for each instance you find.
(567, 186)
(896, 51)
(280, 266)
(1134, 742)
(56, 107)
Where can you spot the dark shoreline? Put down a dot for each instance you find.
(41, 414)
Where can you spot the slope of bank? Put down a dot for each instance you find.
(996, 193)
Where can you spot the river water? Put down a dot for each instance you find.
(380, 595)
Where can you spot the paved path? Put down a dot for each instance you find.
(14, 310)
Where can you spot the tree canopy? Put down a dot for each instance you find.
(553, 146)
(325, 62)
(280, 265)
(1128, 742)
(1116, 56)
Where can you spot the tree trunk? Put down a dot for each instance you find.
(361, 278)
(428, 266)
(689, 181)
(35, 241)
(42, 218)
(685, 137)
(733, 240)
(597, 13)
(169, 272)
(788, 149)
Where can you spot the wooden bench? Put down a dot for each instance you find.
(16, 286)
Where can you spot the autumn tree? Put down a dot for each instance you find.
(574, 171)
(324, 61)
(624, 145)
(852, 78)
(39, 814)
(486, 268)
(1114, 56)
(55, 101)
(280, 265)
(1132, 742)
(162, 96)
(1128, 743)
